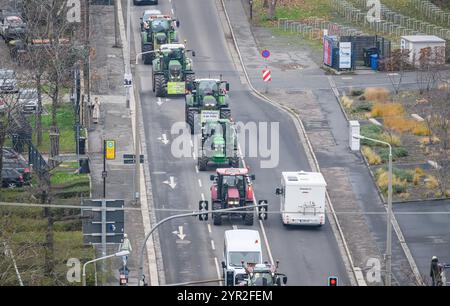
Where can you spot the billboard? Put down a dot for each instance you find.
(345, 55)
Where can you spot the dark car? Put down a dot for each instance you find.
(20, 166)
(12, 27)
(28, 100)
(11, 178)
(8, 81)
(142, 2)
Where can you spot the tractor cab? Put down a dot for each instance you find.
(264, 275)
(203, 90)
(233, 186)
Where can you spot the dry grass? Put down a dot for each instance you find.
(431, 182)
(426, 140)
(372, 157)
(398, 185)
(421, 130)
(347, 102)
(418, 174)
(391, 138)
(376, 94)
(399, 124)
(388, 110)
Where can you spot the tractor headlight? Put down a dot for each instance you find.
(233, 202)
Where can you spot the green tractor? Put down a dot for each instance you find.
(218, 143)
(206, 95)
(158, 30)
(172, 69)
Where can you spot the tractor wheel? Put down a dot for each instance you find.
(202, 163)
(225, 113)
(148, 58)
(217, 217)
(190, 78)
(234, 162)
(248, 218)
(160, 85)
(191, 119)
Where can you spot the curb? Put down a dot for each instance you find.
(355, 276)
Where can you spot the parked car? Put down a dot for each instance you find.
(20, 166)
(146, 16)
(12, 26)
(28, 100)
(11, 178)
(8, 81)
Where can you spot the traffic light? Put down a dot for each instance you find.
(203, 206)
(332, 281)
(262, 209)
(229, 277)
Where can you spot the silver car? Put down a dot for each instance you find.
(28, 100)
(8, 81)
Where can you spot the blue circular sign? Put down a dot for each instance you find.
(265, 53)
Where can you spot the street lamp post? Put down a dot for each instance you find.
(142, 53)
(389, 210)
(118, 254)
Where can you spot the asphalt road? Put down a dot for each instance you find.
(307, 255)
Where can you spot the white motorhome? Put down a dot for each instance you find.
(302, 198)
(241, 246)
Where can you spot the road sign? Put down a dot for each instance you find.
(95, 219)
(110, 149)
(129, 159)
(266, 75)
(265, 54)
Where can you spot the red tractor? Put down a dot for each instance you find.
(232, 187)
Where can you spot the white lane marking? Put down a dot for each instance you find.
(347, 78)
(192, 144)
(172, 11)
(203, 198)
(200, 182)
(196, 168)
(193, 155)
(218, 270)
(266, 241)
(209, 228)
(212, 245)
(235, 227)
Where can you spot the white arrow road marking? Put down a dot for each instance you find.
(180, 232)
(163, 139)
(171, 182)
(159, 102)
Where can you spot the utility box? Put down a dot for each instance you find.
(415, 43)
(354, 130)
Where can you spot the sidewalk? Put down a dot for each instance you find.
(349, 183)
(114, 124)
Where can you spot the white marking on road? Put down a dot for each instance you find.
(200, 182)
(159, 102)
(203, 198)
(212, 245)
(392, 74)
(192, 144)
(180, 232)
(347, 78)
(171, 182)
(196, 168)
(172, 11)
(159, 172)
(266, 241)
(216, 262)
(209, 228)
(163, 139)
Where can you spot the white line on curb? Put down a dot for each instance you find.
(218, 270)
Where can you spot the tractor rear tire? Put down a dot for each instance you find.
(190, 78)
(225, 113)
(217, 217)
(191, 119)
(148, 58)
(160, 86)
(202, 163)
(248, 217)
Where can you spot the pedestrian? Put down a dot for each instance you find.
(434, 271)
(125, 246)
(96, 110)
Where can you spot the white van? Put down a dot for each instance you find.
(241, 247)
(302, 198)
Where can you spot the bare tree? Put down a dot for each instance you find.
(397, 64)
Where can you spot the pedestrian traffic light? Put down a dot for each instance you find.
(332, 281)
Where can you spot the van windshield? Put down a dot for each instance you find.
(236, 258)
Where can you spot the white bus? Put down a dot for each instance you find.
(302, 198)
